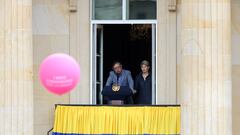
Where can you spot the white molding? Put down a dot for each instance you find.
(154, 63)
(124, 21)
(124, 9)
(152, 22)
(92, 10)
(91, 61)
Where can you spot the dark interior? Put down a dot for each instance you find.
(121, 43)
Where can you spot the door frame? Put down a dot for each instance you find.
(93, 27)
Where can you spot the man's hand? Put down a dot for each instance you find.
(134, 91)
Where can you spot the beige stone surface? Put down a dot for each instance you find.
(203, 71)
(236, 100)
(80, 49)
(236, 65)
(16, 68)
(55, 30)
(166, 92)
(205, 67)
(50, 35)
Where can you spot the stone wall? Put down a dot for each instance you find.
(57, 30)
(236, 65)
(235, 9)
(16, 68)
(50, 35)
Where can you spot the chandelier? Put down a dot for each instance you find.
(140, 32)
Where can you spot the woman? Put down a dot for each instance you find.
(143, 85)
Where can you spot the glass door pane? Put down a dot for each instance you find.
(107, 9)
(141, 9)
(99, 63)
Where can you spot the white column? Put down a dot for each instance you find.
(16, 68)
(205, 67)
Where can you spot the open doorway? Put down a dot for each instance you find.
(127, 43)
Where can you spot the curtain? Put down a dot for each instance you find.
(111, 120)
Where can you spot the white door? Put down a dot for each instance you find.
(154, 64)
(97, 63)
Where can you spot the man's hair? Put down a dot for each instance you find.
(116, 62)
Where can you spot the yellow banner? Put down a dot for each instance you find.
(89, 120)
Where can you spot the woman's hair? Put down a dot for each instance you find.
(144, 62)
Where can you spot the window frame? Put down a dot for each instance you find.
(125, 10)
(93, 22)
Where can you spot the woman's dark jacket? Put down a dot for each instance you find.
(144, 89)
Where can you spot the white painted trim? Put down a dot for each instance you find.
(92, 10)
(153, 64)
(124, 22)
(91, 64)
(91, 53)
(101, 68)
(124, 9)
(156, 62)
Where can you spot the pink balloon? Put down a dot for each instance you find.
(59, 73)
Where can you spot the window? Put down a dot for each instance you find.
(124, 9)
(107, 9)
(141, 9)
